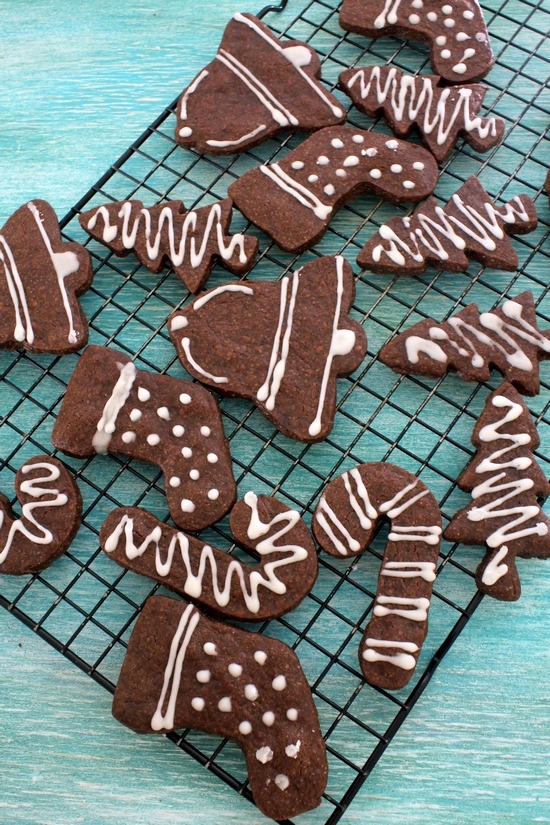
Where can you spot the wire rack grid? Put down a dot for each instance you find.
(85, 606)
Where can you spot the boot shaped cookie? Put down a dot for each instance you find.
(255, 87)
(471, 343)
(41, 276)
(110, 406)
(460, 50)
(281, 345)
(343, 524)
(191, 241)
(211, 578)
(506, 484)
(468, 226)
(440, 114)
(51, 507)
(184, 670)
(295, 199)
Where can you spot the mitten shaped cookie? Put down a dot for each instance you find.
(441, 114)
(191, 241)
(468, 226)
(343, 524)
(506, 484)
(213, 579)
(110, 406)
(255, 87)
(185, 670)
(294, 199)
(282, 345)
(460, 50)
(471, 342)
(42, 276)
(51, 506)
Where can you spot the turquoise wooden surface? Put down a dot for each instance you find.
(80, 82)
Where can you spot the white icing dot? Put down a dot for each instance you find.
(178, 430)
(282, 781)
(358, 139)
(205, 431)
(460, 68)
(293, 750)
(313, 178)
(251, 693)
(186, 452)
(213, 494)
(417, 4)
(441, 40)
(447, 9)
(245, 728)
(418, 165)
(185, 398)
(234, 669)
(187, 506)
(175, 481)
(408, 184)
(297, 164)
(341, 173)
(292, 714)
(278, 683)
(462, 36)
(128, 437)
(329, 189)
(264, 754)
(268, 718)
(212, 458)
(225, 705)
(445, 54)
(194, 474)
(370, 153)
(197, 703)
(322, 160)
(143, 394)
(135, 415)
(449, 23)
(210, 649)
(414, 19)
(203, 676)
(153, 439)
(260, 657)
(375, 173)
(396, 167)
(178, 322)
(480, 37)
(337, 143)
(185, 131)
(163, 413)
(352, 160)
(468, 15)
(432, 16)
(392, 144)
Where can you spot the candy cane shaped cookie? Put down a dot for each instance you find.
(343, 524)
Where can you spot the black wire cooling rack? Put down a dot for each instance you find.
(85, 606)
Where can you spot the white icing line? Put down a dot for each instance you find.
(217, 379)
(114, 404)
(172, 673)
(224, 143)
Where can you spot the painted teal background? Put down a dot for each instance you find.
(79, 83)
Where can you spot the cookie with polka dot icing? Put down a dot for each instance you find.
(223, 585)
(255, 87)
(469, 226)
(191, 241)
(460, 50)
(184, 670)
(274, 342)
(294, 199)
(441, 114)
(111, 406)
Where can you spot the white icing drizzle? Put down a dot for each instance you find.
(217, 379)
(328, 513)
(249, 580)
(409, 569)
(172, 673)
(186, 130)
(495, 570)
(414, 609)
(213, 293)
(402, 660)
(279, 352)
(365, 513)
(32, 488)
(17, 294)
(107, 423)
(389, 507)
(388, 14)
(224, 143)
(299, 192)
(429, 535)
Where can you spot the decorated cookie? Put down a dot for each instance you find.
(471, 343)
(441, 115)
(255, 87)
(507, 485)
(110, 406)
(184, 670)
(213, 579)
(343, 525)
(460, 50)
(41, 276)
(190, 241)
(294, 199)
(51, 507)
(468, 226)
(282, 345)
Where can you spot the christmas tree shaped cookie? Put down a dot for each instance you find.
(506, 483)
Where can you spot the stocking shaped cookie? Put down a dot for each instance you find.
(51, 506)
(295, 199)
(468, 226)
(191, 241)
(185, 670)
(506, 484)
(440, 114)
(471, 343)
(343, 524)
(456, 32)
(213, 579)
(255, 87)
(110, 406)
(41, 276)
(282, 345)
